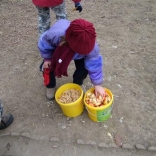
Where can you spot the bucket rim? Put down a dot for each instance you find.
(102, 107)
(72, 103)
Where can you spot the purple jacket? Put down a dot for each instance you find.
(50, 40)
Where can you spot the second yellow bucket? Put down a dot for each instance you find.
(99, 114)
(71, 109)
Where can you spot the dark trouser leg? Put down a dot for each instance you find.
(80, 73)
(52, 82)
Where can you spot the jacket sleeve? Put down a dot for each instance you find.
(51, 38)
(94, 65)
(48, 43)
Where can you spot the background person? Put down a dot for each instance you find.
(57, 6)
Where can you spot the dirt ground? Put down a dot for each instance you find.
(126, 36)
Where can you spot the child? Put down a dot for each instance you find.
(66, 41)
(57, 6)
(5, 120)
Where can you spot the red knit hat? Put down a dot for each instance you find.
(81, 36)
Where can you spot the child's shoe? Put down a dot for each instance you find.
(50, 93)
(6, 121)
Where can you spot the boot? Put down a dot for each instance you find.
(6, 121)
(50, 93)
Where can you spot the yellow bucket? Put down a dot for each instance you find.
(72, 109)
(99, 114)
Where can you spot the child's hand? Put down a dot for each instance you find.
(99, 90)
(47, 64)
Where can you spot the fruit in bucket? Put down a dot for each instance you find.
(98, 101)
(70, 95)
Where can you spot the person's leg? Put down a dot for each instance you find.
(43, 19)
(80, 73)
(60, 11)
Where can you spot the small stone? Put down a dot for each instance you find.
(102, 144)
(55, 146)
(105, 126)
(113, 145)
(110, 135)
(68, 118)
(114, 46)
(64, 126)
(121, 119)
(139, 146)
(14, 134)
(91, 142)
(119, 86)
(152, 148)
(26, 135)
(54, 139)
(6, 134)
(127, 146)
(80, 141)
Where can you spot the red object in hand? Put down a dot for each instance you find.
(46, 76)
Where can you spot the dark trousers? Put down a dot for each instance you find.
(78, 77)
